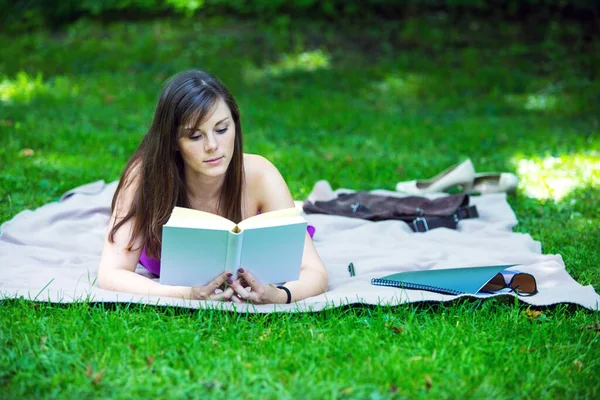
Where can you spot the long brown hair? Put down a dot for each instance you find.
(186, 97)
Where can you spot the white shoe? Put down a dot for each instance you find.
(321, 191)
(461, 174)
(495, 183)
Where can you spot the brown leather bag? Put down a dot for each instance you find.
(420, 213)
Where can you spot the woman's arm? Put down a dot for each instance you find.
(116, 271)
(272, 193)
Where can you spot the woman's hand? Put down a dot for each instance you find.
(260, 293)
(208, 292)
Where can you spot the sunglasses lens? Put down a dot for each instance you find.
(496, 283)
(524, 283)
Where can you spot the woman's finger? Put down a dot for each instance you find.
(219, 281)
(242, 292)
(236, 299)
(243, 282)
(223, 296)
(249, 278)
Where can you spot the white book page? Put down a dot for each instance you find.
(266, 219)
(272, 222)
(189, 218)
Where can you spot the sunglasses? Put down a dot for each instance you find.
(521, 283)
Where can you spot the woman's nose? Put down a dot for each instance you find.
(211, 143)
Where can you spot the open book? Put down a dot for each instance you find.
(198, 246)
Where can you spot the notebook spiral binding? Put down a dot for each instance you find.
(407, 285)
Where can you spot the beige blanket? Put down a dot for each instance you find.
(52, 253)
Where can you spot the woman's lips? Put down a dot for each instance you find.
(214, 161)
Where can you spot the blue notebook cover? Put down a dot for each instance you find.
(454, 281)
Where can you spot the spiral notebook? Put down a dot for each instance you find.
(455, 281)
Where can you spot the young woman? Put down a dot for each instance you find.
(192, 156)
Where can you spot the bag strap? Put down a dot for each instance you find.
(424, 224)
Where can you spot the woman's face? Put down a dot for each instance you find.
(209, 149)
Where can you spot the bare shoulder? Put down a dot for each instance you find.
(257, 167)
(265, 184)
(130, 180)
(259, 170)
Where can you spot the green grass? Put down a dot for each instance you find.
(361, 109)
(125, 351)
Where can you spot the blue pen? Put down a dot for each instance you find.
(351, 269)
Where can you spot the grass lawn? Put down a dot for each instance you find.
(361, 108)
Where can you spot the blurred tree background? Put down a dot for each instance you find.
(21, 15)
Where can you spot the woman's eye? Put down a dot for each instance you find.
(195, 137)
(222, 130)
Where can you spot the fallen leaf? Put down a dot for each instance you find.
(525, 349)
(348, 158)
(328, 156)
(27, 152)
(283, 379)
(533, 314)
(98, 377)
(428, 382)
(578, 364)
(400, 171)
(109, 99)
(347, 390)
(132, 346)
(43, 341)
(6, 122)
(540, 210)
(149, 361)
(397, 329)
(393, 388)
(595, 327)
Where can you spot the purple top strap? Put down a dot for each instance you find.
(151, 264)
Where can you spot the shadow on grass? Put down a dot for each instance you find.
(459, 305)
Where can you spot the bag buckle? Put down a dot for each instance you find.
(423, 223)
(420, 220)
(358, 206)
